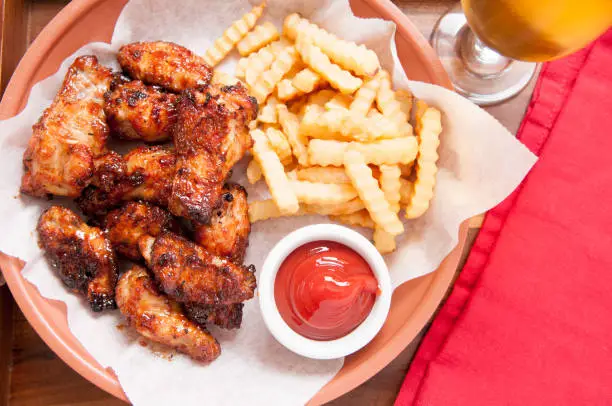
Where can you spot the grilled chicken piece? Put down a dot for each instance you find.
(161, 319)
(228, 232)
(190, 274)
(138, 112)
(224, 316)
(125, 226)
(145, 173)
(70, 133)
(81, 254)
(210, 136)
(164, 64)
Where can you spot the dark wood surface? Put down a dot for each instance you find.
(31, 374)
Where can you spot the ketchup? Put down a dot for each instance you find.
(324, 290)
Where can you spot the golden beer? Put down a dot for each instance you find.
(537, 30)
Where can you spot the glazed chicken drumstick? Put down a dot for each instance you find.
(70, 134)
(189, 274)
(81, 254)
(145, 173)
(161, 319)
(227, 235)
(126, 225)
(139, 112)
(210, 136)
(164, 64)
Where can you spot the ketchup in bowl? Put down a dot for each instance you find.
(324, 290)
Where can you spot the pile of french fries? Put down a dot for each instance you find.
(332, 137)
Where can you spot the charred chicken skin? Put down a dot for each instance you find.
(145, 173)
(70, 134)
(82, 255)
(190, 274)
(229, 229)
(164, 64)
(224, 316)
(138, 112)
(125, 226)
(210, 136)
(161, 319)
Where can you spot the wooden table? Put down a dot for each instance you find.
(31, 374)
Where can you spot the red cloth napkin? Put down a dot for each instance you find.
(529, 320)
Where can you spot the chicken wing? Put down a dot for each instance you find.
(189, 274)
(70, 133)
(224, 316)
(138, 112)
(210, 136)
(161, 319)
(164, 64)
(81, 254)
(228, 232)
(125, 226)
(145, 173)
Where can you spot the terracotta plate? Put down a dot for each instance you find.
(84, 21)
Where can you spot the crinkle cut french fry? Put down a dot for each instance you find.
(323, 174)
(390, 184)
(253, 172)
(369, 191)
(267, 112)
(261, 36)
(390, 152)
(404, 97)
(390, 107)
(349, 55)
(268, 80)
(279, 144)
(223, 78)
(406, 169)
(286, 91)
(344, 125)
(291, 127)
(365, 96)
(338, 78)
(260, 210)
(274, 173)
(339, 101)
(337, 209)
(405, 191)
(321, 97)
(239, 28)
(360, 218)
(323, 193)
(383, 241)
(430, 127)
(306, 80)
(258, 62)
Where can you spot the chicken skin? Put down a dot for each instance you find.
(70, 134)
(145, 173)
(82, 255)
(229, 229)
(138, 112)
(189, 274)
(164, 64)
(224, 316)
(210, 136)
(161, 319)
(125, 226)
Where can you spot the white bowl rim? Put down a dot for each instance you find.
(356, 339)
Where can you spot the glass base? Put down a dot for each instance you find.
(489, 78)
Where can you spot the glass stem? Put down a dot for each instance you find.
(478, 58)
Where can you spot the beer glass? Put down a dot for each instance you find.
(490, 49)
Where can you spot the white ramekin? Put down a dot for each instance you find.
(356, 339)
